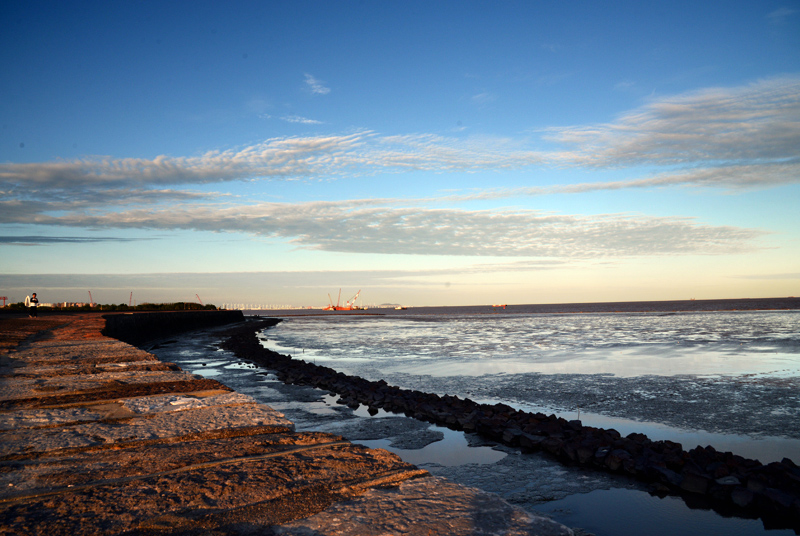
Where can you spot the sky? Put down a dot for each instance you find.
(425, 153)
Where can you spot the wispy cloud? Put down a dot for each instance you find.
(726, 138)
(483, 98)
(329, 156)
(781, 15)
(299, 119)
(735, 137)
(372, 226)
(317, 87)
(755, 123)
(40, 240)
(624, 85)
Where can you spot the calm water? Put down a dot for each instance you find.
(725, 378)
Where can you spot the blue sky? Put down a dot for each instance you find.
(428, 153)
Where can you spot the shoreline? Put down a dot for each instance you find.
(747, 488)
(666, 306)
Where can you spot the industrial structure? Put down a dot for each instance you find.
(350, 305)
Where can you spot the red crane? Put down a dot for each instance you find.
(350, 305)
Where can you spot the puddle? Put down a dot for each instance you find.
(624, 512)
(452, 450)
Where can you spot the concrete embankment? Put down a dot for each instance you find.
(704, 477)
(137, 328)
(99, 437)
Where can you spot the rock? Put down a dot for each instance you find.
(615, 459)
(530, 441)
(584, 453)
(552, 445)
(756, 485)
(742, 497)
(668, 476)
(575, 425)
(601, 453)
(779, 499)
(695, 483)
(512, 437)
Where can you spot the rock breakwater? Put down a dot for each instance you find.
(703, 476)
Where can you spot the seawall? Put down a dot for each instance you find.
(140, 327)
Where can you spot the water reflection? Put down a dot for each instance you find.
(623, 512)
(451, 450)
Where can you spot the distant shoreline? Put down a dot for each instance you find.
(734, 304)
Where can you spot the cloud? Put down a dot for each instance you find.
(277, 158)
(483, 98)
(374, 226)
(781, 15)
(317, 86)
(40, 240)
(734, 177)
(723, 137)
(624, 85)
(20, 203)
(299, 119)
(274, 158)
(734, 139)
(750, 124)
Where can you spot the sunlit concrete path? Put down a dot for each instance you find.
(99, 437)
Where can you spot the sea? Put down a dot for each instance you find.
(723, 373)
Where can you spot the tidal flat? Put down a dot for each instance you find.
(753, 411)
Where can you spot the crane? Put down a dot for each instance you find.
(201, 301)
(130, 300)
(348, 306)
(352, 303)
(91, 301)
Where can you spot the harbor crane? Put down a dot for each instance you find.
(349, 305)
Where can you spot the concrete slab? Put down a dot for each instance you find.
(423, 507)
